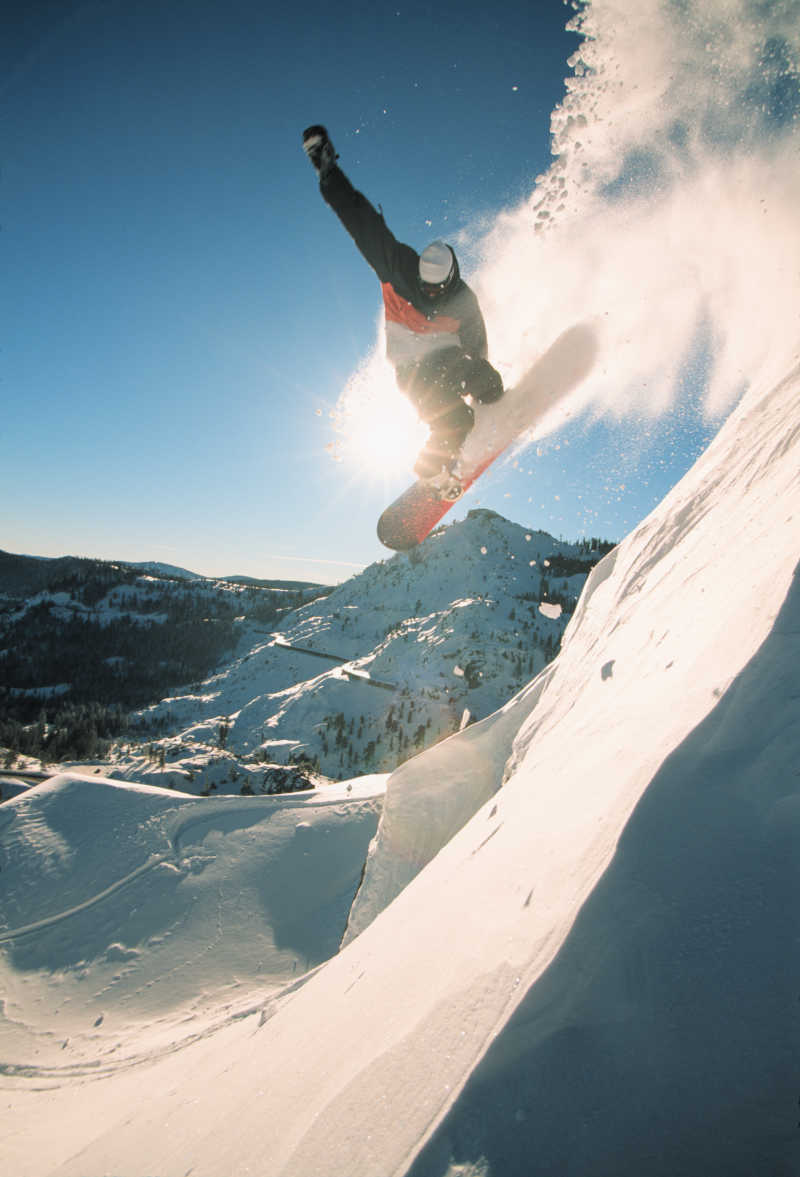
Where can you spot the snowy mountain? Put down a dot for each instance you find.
(157, 568)
(82, 641)
(356, 680)
(388, 663)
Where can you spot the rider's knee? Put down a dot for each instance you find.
(483, 383)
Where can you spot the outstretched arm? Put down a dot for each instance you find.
(390, 259)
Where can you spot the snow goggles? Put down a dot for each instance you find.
(434, 289)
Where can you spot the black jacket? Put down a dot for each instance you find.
(415, 327)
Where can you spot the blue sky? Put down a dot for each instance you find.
(180, 309)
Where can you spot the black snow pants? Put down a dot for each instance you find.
(437, 386)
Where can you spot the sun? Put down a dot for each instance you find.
(378, 431)
(385, 436)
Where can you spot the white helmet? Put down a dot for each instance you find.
(437, 267)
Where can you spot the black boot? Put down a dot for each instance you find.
(438, 465)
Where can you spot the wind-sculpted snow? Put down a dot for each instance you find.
(125, 904)
(660, 1040)
(417, 820)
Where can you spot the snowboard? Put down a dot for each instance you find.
(413, 515)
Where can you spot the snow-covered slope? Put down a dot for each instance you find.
(136, 919)
(598, 971)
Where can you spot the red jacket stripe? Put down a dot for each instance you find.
(398, 310)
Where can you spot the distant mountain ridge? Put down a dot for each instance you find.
(23, 575)
(83, 641)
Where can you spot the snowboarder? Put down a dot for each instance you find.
(435, 334)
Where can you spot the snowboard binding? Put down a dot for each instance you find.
(447, 484)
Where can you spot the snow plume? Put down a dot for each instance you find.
(668, 218)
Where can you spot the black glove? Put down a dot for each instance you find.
(319, 150)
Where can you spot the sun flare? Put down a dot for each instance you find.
(377, 429)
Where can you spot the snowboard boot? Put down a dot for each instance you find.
(438, 466)
(319, 150)
(447, 485)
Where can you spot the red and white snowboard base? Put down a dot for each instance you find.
(412, 516)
